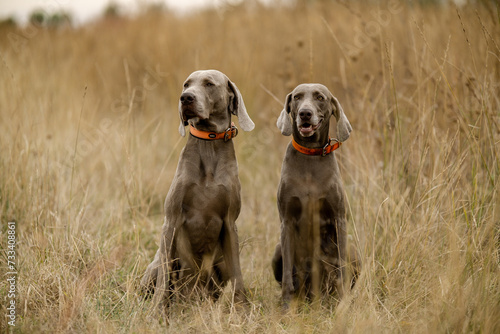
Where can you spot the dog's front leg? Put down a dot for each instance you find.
(162, 290)
(287, 288)
(342, 250)
(230, 250)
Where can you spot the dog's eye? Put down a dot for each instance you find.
(321, 98)
(209, 84)
(186, 85)
(296, 97)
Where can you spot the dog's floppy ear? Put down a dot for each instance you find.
(344, 128)
(183, 123)
(284, 122)
(237, 108)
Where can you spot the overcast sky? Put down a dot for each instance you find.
(83, 10)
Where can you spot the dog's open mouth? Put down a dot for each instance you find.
(308, 128)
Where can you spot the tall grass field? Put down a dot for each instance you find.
(89, 146)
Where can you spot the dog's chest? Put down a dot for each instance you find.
(311, 188)
(207, 187)
(210, 190)
(317, 179)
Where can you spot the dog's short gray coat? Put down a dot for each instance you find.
(199, 242)
(311, 199)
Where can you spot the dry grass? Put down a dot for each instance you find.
(89, 145)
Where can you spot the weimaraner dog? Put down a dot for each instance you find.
(199, 248)
(311, 255)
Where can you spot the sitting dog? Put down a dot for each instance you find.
(199, 242)
(311, 255)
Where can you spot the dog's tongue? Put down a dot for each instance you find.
(309, 128)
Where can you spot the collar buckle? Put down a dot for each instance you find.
(324, 152)
(329, 146)
(230, 132)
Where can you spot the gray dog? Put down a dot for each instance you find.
(199, 242)
(312, 250)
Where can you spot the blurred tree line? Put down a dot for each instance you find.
(42, 18)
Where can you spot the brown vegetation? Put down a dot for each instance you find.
(89, 145)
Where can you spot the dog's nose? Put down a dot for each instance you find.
(187, 98)
(305, 114)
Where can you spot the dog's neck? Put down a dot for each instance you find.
(207, 136)
(212, 157)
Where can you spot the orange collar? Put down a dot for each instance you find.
(230, 133)
(330, 146)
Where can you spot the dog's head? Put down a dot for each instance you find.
(209, 97)
(307, 112)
